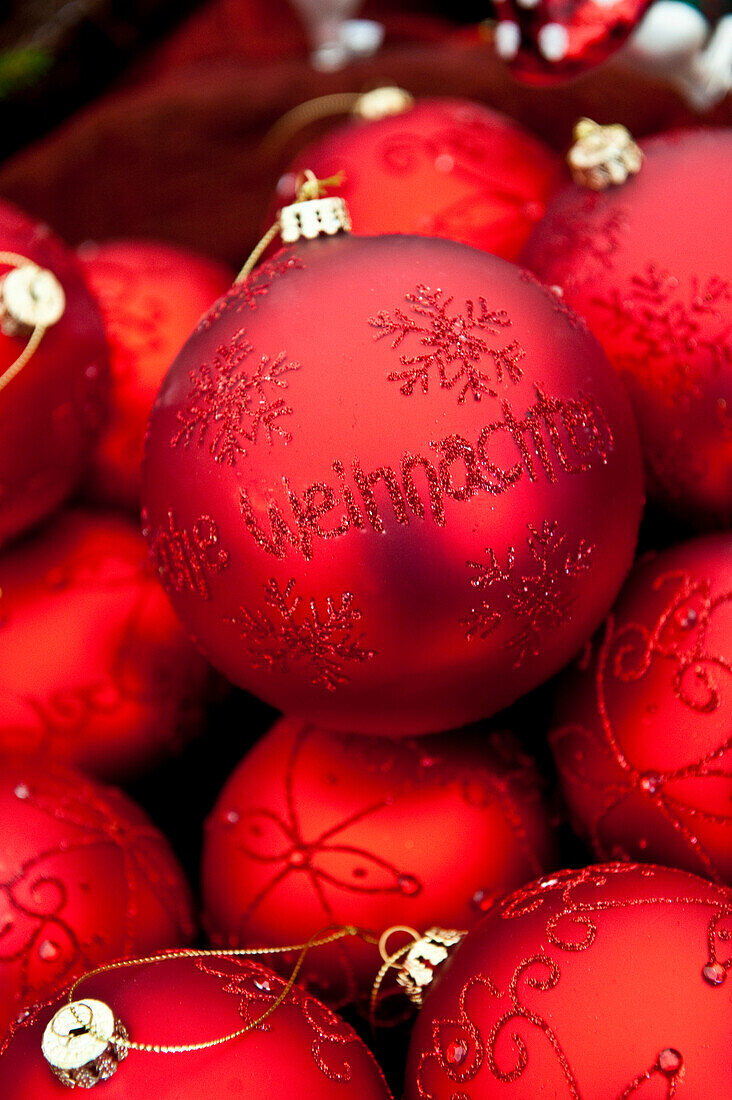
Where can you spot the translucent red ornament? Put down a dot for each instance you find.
(302, 1050)
(444, 168)
(150, 295)
(94, 666)
(84, 877)
(316, 828)
(546, 41)
(603, 983)
(647, 264)
(642, 731)
(377, 480)
(51, 411)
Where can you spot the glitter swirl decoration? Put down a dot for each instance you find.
(512, 1016)
(84, 877)
(641, 735)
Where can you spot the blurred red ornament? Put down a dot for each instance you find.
(150, 296)
(547, 41)
(643, 729)
(84, 877)
(52, 410)
(648, 264)
(605, 983)
(444, 168)
(376, 483)
(302, 1050)
(94, 666)
(316, 828)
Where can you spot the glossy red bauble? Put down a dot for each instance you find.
(444, 168)
(52, 411)
(601, 984)
(84, 877)
(316, 828)
(150, 295)
(94, 666)
(547, 41)
(648, 264)
(378, 479)
(643, 728)
(302, 1051)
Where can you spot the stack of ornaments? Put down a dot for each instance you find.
(393, 483)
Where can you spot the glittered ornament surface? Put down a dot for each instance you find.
(84, 877)
(444, 168)
(642, 732)
(316, 828)
(648, 264)
(94, 666)
(52, 410)
(547, 41)
(607, 983)
(377, 482)
(302, 1049)
(150, 295)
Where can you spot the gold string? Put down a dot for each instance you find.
(309, 187)
(339, 103)
(13, 259)
(319, 939)
(390, 961)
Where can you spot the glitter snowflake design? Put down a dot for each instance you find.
(584, 229)
(538, 601)
(455, 345)
(248, 292)
(668, 325)
(230, 408)
(293, 634)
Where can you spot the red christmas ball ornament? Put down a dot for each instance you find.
(316, 828)
(54, 372)
(84, 877)
(376, 483)
(604, 983)
(648, 265)
(442, 168)
(302, 1049)
(548, 41)
(94, 666)
(643, 728)
(150, 295)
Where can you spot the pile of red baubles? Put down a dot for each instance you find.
(392, 485)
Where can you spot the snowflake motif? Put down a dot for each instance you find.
(249, 290)
(584, 229)
(230, 406)
(669, 325)
(322, 644)
(454, 346)
(538, 601)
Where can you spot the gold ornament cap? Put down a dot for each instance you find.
(84, 1043)
(382, 103)
(313, 218)
(31, 297)
(424, 956)
(602, 156)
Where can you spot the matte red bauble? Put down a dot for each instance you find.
(94, 666)
(602, 984)
(302, 1051)
(150, 296)
(547, 41)
(377, 483)
(52, 410)
(643, 728)
(648, 264)
(444, 168)
(84, 877)
(316, 828)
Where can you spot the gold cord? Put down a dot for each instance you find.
(390, 961)
(340, 103)
(12, 259)
(320, 939)
(309, 187)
